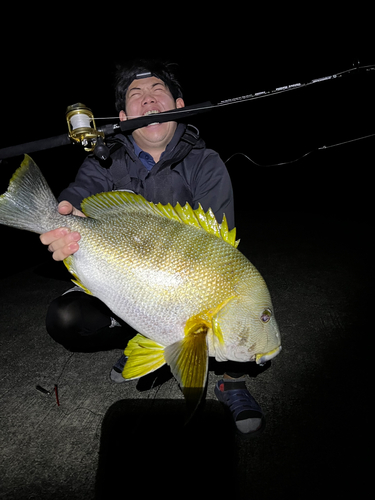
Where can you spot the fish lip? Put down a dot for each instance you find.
(264, 357)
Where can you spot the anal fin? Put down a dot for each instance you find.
(144, 356)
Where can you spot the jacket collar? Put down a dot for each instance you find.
(129, 146)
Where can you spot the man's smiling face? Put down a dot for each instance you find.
(145, 96)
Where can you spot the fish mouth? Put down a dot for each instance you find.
(262, 358)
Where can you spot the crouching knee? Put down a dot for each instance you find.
(64, 320)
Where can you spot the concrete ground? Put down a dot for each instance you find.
(308, 229)
(107, 439)
(307, 226)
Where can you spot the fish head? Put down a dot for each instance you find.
(245, 329)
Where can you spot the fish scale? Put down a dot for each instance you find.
(173, 273)
(166, 264)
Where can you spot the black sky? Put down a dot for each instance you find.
(67, 57)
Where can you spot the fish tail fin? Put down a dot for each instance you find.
(29, 203)
(188, 361)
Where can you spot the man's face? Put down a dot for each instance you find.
(150, 95)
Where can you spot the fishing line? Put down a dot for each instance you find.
(63, 411)
(92, 139)
(64, 366)
(348, 141)
(294, 86)
(56, 388)
(276, 91)
(165, 113)
(302, 156)
(271, 164)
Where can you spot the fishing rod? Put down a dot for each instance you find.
(82, 128)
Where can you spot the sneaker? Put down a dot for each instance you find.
(117, 369)
(246, 412)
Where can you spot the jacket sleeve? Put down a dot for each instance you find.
(91, 179)
(212, 187)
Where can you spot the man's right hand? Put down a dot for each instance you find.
(62, 242)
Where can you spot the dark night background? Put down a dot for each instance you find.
(62, 60)
(317, 397)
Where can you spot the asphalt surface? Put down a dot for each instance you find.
(105, 438)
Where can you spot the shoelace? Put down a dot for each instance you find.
(240, 401)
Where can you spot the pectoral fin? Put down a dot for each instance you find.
(188, 360)
(144, 356)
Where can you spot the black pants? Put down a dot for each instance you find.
(82, 323)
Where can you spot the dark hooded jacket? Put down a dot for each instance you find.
(186, 172)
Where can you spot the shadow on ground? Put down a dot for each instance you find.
(146, 446)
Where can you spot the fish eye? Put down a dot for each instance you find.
(266, 315)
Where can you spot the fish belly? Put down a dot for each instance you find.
(157, 318)
(155, 279)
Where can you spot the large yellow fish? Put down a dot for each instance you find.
(172, 273)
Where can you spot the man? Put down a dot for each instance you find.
(166, 163)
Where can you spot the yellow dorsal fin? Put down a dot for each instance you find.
(113, 203)
(144, 356)
(116, 202)
(228, 236)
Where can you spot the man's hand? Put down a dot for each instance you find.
(62, 242)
